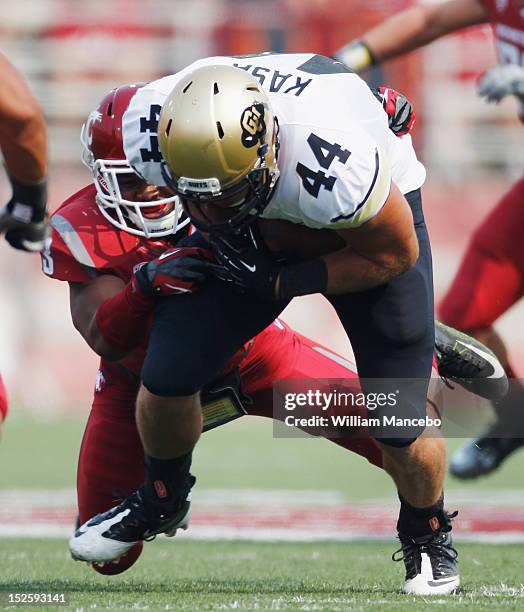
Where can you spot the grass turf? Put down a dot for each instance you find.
(189, 575)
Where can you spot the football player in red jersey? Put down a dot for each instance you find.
(23, 146)
(100, 237)
(490, 278)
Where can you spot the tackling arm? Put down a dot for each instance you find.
(85, 299)
(410, 30)
(113, 317)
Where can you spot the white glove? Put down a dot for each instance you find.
(502, 81)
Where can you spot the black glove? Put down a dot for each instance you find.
(401, 116)
(178, 270)
(24, 217)
(246, 263)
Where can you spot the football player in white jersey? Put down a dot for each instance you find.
(297, 141)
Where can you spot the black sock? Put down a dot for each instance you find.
(420, 522)
(168, 481)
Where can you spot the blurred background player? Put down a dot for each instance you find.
(490, 278)
(23, 146)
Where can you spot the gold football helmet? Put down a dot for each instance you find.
(219, 139)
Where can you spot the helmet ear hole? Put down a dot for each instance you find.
(220, 130)
(168, 126)
(187, 87)
(215, 89)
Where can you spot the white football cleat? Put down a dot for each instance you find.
(109, 535)
(431, 564)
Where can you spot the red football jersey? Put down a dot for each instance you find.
(84, 244)
(507, 19)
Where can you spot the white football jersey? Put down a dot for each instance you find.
(337, 155)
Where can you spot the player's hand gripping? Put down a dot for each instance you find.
(23, 218)
(177, 270)
(246, 263)
(401, 116)
(502, 81)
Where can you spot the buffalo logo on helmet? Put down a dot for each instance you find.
(253, 125)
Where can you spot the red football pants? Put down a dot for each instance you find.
(491, 277)
(111, 456)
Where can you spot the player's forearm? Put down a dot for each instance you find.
(22, 127)
(401, 33)
(349, 271)
(24, 149)
(85, 300)
(111, 317)
(88, 329)
(345, 271)
(100, 345)
(417, 27)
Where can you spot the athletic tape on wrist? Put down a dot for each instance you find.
(30, 194)
(356, 55)
(303, 278)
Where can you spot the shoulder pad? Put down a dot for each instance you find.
(83, 243)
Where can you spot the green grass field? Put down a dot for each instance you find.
(223, 575)
(257, 576)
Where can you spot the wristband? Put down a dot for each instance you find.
(123, 320)
(303, 278)
(34, 194)
(356, 55)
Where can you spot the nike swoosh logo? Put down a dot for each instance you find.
(250, 268)
(498, 370)
(167, 254)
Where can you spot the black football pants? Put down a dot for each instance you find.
(391, 329)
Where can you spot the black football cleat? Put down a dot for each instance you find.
(482, 456)
(469, 363)
(110, 535)
(430, 562)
